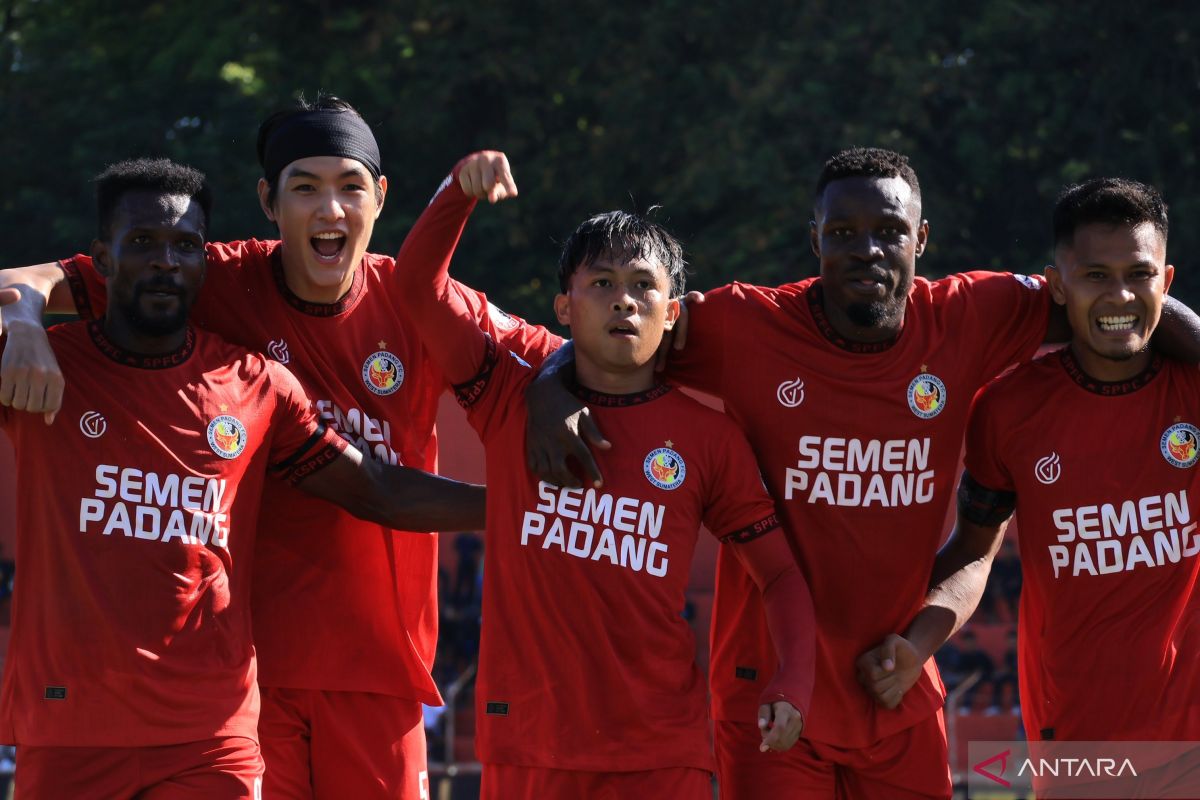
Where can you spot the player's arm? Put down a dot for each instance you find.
(402, 498)
(451, 332)
(30, 378)
(960, 573)
(791, 622)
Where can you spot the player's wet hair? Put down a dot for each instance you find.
(1107, 201)
(625, 236)
(324, 102)
(867, 162)
(159, 175)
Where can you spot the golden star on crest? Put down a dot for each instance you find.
(224, 407)
(924, 368)
(382, 344)
(1179, 419)
(669, 443)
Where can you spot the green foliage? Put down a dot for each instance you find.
(721, 113)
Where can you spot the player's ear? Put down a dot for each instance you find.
(922, 236)
(264, 194)
(1168, 277)
(814, 241)
(381, 195)
(101, 257)
(562, 309)
(1054, 280)
(672, 313)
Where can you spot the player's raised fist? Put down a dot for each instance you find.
(486, 174)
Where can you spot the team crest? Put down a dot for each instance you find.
(227, 436)
(665, 468)
(382, 372)
(1180, 445)
(926, 395)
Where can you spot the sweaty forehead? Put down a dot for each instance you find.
(868, 196)
(1101, 243)
(616, 263)
(148, 209)
(326, 168)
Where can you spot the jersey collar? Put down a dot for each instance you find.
(339, 306)
(128, 358)
(1108, 388)
(604, 400)
(816, 305)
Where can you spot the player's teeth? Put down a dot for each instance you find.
(329, 236)
(1117, 323)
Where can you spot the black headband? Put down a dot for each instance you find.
(322, 132)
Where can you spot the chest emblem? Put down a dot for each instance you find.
(665, 468)
(227, 436)
(1180, 444)
(926, 395)
(1048, 468)
(92, 424)
(382, 372)
(790, 393)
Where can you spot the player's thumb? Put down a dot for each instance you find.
(887, 655)
(764, 717)
(9, 296)
(589, 430)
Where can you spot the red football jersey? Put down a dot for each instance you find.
(859, 446)
(586, 662)
(365, 593)
(1105, 476)
(135, 532)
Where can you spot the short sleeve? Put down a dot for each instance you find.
(532, 343)
(300, 443)
(1006, 315)
(701, 363)
(88, 288)
(984, 459)
(5, 411)
(497, 390)
(737, 507)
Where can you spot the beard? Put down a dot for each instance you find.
(874, 315)
(155, 324)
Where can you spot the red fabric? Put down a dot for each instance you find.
(820, 416)
(1093, 628)
(586, 662)
(908, 765)
(365, 592)
(342, 744)
(131, 625)
(509, 782)
(215, 769)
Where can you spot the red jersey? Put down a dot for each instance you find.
(340, 604)
(1106, 479)
(135, 532)
(586, 662)
(859, 446)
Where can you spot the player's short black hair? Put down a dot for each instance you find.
(627, 236)
(867, 162)
(324, 102)
(1107, 201)
(159, 175)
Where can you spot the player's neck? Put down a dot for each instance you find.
(125, 336)
(1109, 370)
(299, 284)
(606, 381)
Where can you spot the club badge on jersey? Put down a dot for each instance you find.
(1180, 445)
(665, 468)
(926, 395)
(382, 372)
(227, 436)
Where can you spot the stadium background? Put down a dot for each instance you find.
(721, 114)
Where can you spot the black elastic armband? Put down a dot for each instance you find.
(981, 505)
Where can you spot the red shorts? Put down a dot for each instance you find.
(910, 765)
(215, 769)
(509, 782)
(333, 745)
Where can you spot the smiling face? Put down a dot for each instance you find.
(868, 233)
(1113, 280)
(618, 311)
(325, 207)
(154, 263)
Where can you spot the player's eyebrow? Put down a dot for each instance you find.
(312, 176)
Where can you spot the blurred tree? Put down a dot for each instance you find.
(721, 113)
